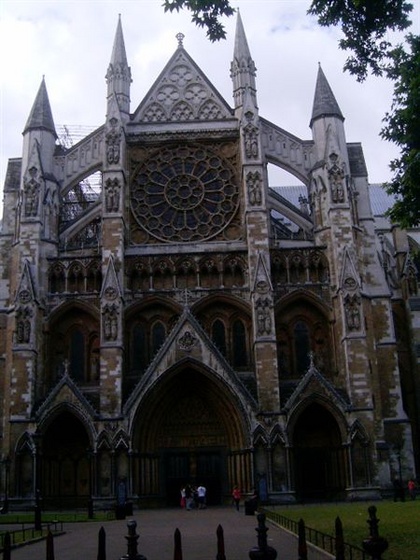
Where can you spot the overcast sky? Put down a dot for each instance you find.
(70, 43)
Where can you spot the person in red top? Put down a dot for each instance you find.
(236, 495)
(412, 489)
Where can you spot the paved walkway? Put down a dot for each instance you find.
(156, 528)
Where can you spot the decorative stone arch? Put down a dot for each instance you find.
(56, 278)
(228, 310)
(189, 424)
(279, 463)
(186, 273)
(25, 466)
(163, 274)
(234, 271)
(65, 319)
(67, 436)
(140, 346)
(360, 471)
(304, 325)
(104, 466)
(76, 274)
(317, 431)
(209, 270)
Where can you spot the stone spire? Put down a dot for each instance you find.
(325, 104)
(242, 70)
(40, 117)
(118, 76)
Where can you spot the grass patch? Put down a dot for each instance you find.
(50, 517)
(398, 523)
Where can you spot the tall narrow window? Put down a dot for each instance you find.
(218, 335)
(240, 354)
(302, 347)
(158, 336)
(77, 355)
(138, 349)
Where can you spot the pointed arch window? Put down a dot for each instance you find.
(158, 336)
(302, 348)
(240, 358)
(77, 355)
(218, 335)
(138, 348)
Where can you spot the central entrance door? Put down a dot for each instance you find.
(198, 467)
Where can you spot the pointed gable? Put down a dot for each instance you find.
(188, 340)
(182, 93)
(26, 291)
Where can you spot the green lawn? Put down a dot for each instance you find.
(399, 523)
(50, 517)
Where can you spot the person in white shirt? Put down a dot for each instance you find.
(201, 494)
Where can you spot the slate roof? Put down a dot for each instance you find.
(380, 200)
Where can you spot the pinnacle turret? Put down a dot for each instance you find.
(40, 117)
(118, 76)
(242, 69)
(325, 104)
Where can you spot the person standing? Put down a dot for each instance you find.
(236, 495)
(183, 497)
(201, 494)
(189, 498)
(412, 488)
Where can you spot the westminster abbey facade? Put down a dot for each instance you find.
(168, 316)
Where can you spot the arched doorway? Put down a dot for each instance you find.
(189, 430)
(65, 471)
(319, 458)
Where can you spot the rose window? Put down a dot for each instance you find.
(185, 194)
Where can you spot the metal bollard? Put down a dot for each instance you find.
(262, 551)
(7, 546)
(50, 546)
(220, 544)
(302, 546)
(339, 540)
(374, 545)
(101, 544)
(132, 539)
(177, 545)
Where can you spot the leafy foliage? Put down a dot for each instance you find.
(205, 13)
(403, 128)
(365, 25)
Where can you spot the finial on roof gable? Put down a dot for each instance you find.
(180, 37)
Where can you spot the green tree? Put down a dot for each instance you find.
(402, 126)
(366, 27)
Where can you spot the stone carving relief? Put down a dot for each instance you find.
(253, 184)
(187, 341)
(31, 193)
(112, 195)
(251, 138)
(336, 178)
(23, 324)
(264, 323)
(352, 311)
(113, 142)
(110, 322)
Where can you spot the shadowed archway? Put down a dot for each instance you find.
(319, 458)
(188, 430)
(65, 470)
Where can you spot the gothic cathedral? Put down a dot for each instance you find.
(167, 316)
